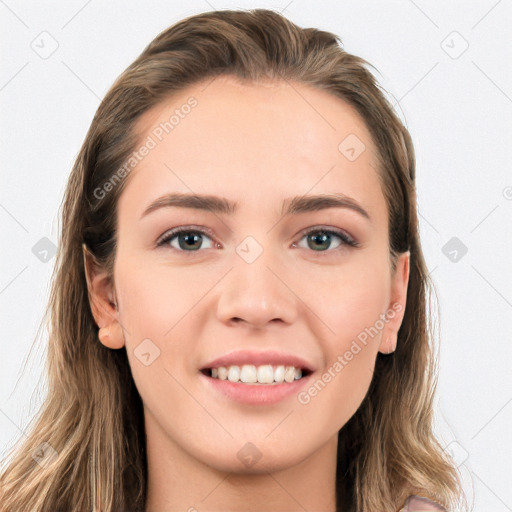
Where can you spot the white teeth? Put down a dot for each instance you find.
(265, 374)
(279, 374)
(248, 373)
(289, 374)
(234, 373)
(251, 374)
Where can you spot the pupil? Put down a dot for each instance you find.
(196, 238)
(323, 238)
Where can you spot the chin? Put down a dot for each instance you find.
(250, 460)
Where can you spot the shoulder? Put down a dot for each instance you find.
(421, 504)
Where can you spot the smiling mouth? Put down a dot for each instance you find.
(262, 374)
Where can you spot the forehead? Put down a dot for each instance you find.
(264, 140)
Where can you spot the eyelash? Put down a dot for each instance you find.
(346, 240)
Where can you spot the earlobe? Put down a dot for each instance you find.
(102, 301)
(389, 345)
(112, 337)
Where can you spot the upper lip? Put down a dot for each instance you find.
(256, 358)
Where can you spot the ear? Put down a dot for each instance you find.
(102, 301)
(396, 308)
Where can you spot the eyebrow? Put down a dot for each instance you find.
(291, 206)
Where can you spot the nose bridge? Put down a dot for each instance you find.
(254, 291)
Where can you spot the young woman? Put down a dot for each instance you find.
(238, 319)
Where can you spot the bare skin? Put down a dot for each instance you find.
(256, 144)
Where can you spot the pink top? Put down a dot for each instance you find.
(421, 504)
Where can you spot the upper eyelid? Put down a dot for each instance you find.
(180, 229)
(172, 233)
(336, 231)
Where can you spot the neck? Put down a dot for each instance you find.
(177, 481)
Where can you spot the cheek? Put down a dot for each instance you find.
(156, 306)
(159, 319)
(350, 356)
(355, 297)
(154, 297)
(351, 309)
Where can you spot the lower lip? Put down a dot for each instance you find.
(256, 394)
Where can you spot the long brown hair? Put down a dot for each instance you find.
(89, 432)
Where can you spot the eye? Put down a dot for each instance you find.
(186, 238)
(319, 239)
(189, 239)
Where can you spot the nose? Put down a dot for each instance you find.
(256, 294)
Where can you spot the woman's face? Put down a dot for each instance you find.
(259, 281)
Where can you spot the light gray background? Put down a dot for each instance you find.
(456, 102)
